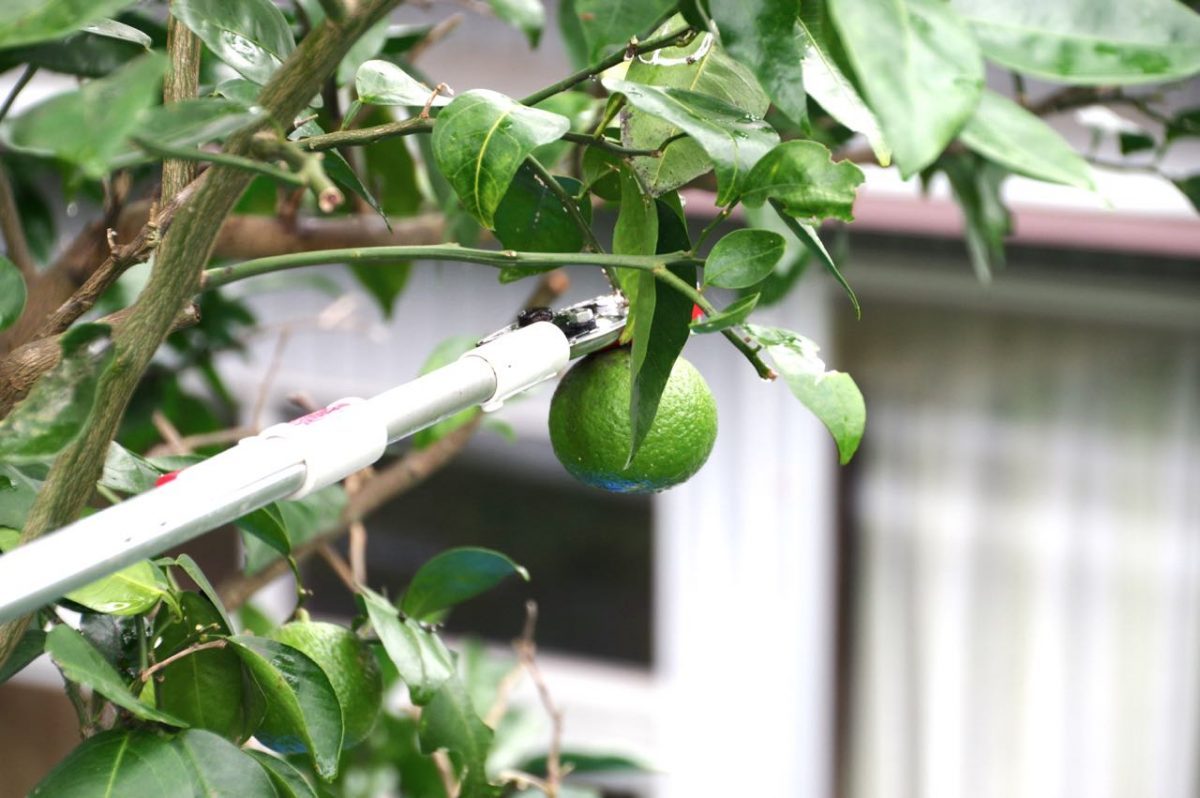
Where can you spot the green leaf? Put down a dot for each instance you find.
(791, 266)
(732, 316)
(118, 639)
(29, 21)
(91, 53)
(449, 721)
(803, 178)
(1006, 133)
(1130, 143)
(288, 780)
(660, 335)
(1190, 188)
(832, 396)
(267, 525)
(807, 235)
(976, 184)
(743, 258)
(82, 663)
(384, 83)
(481, 139)
(220, 769)
(204, 688)
(367, 47)
(28, 648)
(252, 36)
(19, 486)
(453, 577)
(128, 472)
(54, 411)
(300, 701)
(827, 82)
(529, 16)
(130, 591)
(919, 68)
(119, 762)
(420, 656)
(9, 539)
(107, 108)
(733, 139)
(532, 218)
(587, 762)
(606, 26)
(383, 283)
(703, 67)
(445, 353)
(636, 229)
(12, 293)
(192, 569)
(1091, 42)
(762, 35)
(580, 109)
(189, 123)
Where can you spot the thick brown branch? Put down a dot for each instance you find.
(10, 225)
(182, 80)
(22, 367)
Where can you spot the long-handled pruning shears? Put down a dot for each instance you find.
(289, 461)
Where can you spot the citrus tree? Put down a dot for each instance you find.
(217, 142)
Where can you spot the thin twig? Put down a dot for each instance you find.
(527, 652)
(339, 567)
(438, 32)
(26, 76)
(170, 435)
(202, 439)
(445, 769)
(178, 655)
(264, 390)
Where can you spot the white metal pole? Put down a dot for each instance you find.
(285, 461)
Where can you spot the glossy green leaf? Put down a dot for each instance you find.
(450, 722)
(918, 66)
(19, 485)
(192, 569)
(29, 21)
(802, 177)
(445, 353)
(82, 663)
(661, 335)
(367, 47)
(220, 769)
(90, 53)
(636, 228)
(419, 655)
(607, 26)
(107, 108)
(267, 525)
(453, 577)
(732, 316)
(807, 235)
(12, 293)
(1006, 133)
(743, 258)
(288, 780)
(832, 396)
(204, 688)
(762, 35)
(532, 218)
(119, 762)
(252, 36)
(300, 701)
(779, 283)
(384, 83)
(118, 639)
(827, 82)
(480, 141)
(703, 67)
(28, 648)
(976, 184)
(587, 762)
(54, 411)
(1092, 42)
(733, 139)
(127, 472)
(528, 16)
(130, 591)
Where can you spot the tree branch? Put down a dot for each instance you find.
(176, 277)
(26, 76)
(14, 234)
(181, 83)
(365, 135)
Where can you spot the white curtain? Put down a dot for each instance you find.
(1027, 602)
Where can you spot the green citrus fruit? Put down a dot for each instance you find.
(589, 426)
(350, 667)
